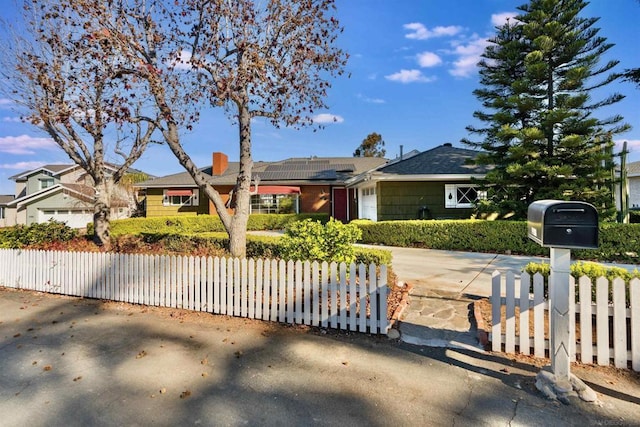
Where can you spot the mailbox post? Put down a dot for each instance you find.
(561, 226)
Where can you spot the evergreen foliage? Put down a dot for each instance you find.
(539, 130)
(371, 146)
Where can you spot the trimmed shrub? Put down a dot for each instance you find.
(617, 242)
(202, 223)
(591, 270)
(20, 236)
(311, 240)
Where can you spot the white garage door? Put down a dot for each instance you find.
(73, 218)
(368, 205)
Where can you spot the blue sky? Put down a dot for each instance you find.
(413, 72)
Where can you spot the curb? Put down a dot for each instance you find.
(404, 302)
(482, 333)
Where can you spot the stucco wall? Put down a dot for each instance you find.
(634, 192)
(403, 200)
(315, 199)
(33, 183)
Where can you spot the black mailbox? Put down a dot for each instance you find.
(560, 224)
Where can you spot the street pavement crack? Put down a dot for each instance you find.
(515, 411)
(468, 402)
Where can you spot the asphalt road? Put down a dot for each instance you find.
(72, 362)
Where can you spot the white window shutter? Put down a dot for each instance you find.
(165, 198)
(195, 200)
(450, 199)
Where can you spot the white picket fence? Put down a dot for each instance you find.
(617, 325)
(344, 297)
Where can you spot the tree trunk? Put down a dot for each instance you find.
(238, 229)
(102, 213)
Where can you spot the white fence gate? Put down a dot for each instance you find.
(607, 331)
(345, 297)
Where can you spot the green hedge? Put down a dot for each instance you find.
(202, 223)
(591, 270)
(257, 246)
(617, 243)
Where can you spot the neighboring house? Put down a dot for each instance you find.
(633, 183)
(60, 192)
(433, 184)
(297, 185)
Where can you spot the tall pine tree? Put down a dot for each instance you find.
(540, 133)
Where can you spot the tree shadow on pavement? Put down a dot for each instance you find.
(69, 361)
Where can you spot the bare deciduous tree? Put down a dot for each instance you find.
(75, 87)
(268, 59)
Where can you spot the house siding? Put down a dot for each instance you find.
(155, 207)
(403, 201)
(33, 183)
(313, 199)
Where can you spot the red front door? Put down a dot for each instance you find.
(340, 205)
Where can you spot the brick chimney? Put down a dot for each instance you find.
(219, 164)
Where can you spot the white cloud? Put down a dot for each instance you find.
(499, 19)
(632, 144)
(428, 59)
(326, 118)
(12, 119)
(22, 165)
(409, 76)
(25, 144)
(183, 62)
(6, 103)
(371, 100)
(420, 32)
(469, 55)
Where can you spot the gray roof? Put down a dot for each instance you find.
(55, 169)
(442, 160)
(313, 170)
(6, 198)
(633, 169)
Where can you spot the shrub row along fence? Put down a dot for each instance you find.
(344, 297)
(604, 325)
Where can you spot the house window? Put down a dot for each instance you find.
(46, 183)
(462, 195)
(181, 197)
(274, 203)
(2, 214)
(371, 191)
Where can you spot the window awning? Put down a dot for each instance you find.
(182, 192)
(276, 189)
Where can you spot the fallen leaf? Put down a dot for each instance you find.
(141, 354)
(185, 394)
(47, 368)
(163, 390)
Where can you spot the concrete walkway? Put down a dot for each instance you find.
(444, 286)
